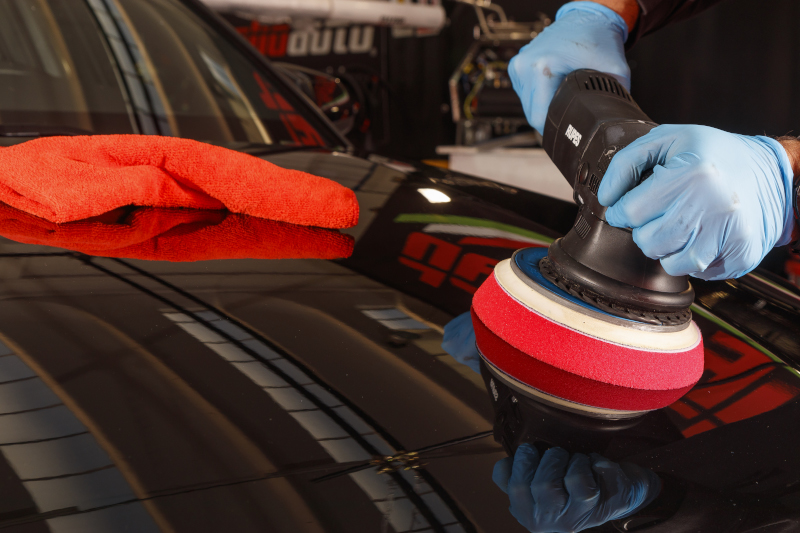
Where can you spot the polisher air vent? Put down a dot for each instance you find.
(605, 84)
(594, 184)
(582, 227)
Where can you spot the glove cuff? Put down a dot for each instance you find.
(787, 174)
(592, 7)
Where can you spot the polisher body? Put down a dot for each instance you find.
(590, 119)
(591, 325)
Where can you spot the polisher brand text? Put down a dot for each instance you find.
(573, 135)
(494, 389)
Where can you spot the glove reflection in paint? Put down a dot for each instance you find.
(562, 492)
(459, 341)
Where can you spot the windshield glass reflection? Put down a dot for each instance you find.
(138, 66)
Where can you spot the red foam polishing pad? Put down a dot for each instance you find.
(612, 354)
(566, 385)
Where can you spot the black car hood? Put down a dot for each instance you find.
(213, 395)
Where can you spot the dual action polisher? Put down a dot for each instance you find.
(590, 325)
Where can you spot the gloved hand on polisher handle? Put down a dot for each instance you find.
(584, 35)
(563, 493)
(715, 205)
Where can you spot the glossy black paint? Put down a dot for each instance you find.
(213, 395)
(179, 432)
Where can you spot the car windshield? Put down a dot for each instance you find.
(139, 66)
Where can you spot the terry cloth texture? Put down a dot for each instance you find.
(177, 235)
(580, 354)
(62, 179)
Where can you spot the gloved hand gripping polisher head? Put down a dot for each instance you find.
(590, 119)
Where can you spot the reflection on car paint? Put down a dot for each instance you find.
(426, 336)
(480, 227)
(435, 258)
(299, 129)
(63, 465)
(177, 235)
(438, 264)
(395, 319)
(338, 429)
(279, 40)
(135, 68)
(707, 408)
(792, 268)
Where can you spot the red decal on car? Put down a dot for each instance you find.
(438, 258)
(473, 265)
(443, 254)
(705, 408)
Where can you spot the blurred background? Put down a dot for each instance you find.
(734, 67)
(437, 90)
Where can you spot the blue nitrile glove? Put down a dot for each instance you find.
(584, 35)
(459, 341)
(715, 205)
(565, 494)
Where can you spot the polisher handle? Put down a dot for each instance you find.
(591, 118)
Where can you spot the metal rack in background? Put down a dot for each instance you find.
(483, 102)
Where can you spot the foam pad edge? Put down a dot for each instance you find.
(583, 355)
(565, 385)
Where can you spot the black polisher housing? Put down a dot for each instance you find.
(590, 119)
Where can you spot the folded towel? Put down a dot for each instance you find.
(62, 179)
(177, 235)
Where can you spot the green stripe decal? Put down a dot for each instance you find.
(424, 218)
(772, 284)
(738, 334)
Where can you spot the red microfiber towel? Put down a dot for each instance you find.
(177, 235)
(62, 179)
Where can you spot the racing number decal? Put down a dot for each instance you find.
(442, 257)
(705, 408)
(438, 260)
(299, 129)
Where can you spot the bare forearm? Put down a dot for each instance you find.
(792, 147)
(627, 9)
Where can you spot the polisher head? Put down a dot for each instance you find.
(552, 346)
